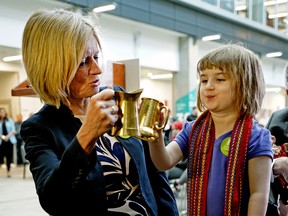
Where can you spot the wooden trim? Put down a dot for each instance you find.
(119, 74)
(23, 89)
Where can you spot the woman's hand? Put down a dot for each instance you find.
(101, 115)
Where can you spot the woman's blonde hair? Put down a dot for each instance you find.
(244, 69)
(53, 46)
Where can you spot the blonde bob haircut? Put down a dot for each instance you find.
(243, 68)
(53, 46)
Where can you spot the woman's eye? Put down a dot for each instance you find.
(96, 58)
(84, 61)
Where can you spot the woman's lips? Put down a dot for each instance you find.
(95, 83)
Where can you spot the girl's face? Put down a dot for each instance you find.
(86, 81)
(217, 93)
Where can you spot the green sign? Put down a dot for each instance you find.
(184, 105)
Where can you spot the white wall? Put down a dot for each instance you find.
(13, 16)
(273, 69)
(161, 90)
(6, 101)
(124, 39)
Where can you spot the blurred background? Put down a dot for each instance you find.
(159, 42)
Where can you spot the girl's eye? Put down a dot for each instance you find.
(220, 80)
(204, 81)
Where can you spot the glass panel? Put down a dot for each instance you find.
(277, 14)
(258, 12)
(281, 9)
(270, 13)
(242, 7)
(227, 5)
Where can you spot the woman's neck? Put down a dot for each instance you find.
(78, 107)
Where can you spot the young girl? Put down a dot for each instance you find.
(229, 153)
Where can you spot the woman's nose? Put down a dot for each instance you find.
(95, 68)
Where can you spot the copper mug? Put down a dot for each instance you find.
(149, 116)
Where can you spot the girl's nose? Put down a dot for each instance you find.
(210, 85)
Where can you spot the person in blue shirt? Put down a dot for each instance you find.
(7, 139)
(229, 154)
(78, 167)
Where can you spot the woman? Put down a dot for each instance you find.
(77, 166)
(7, 139)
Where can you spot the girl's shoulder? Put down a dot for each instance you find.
(259, 129)
(260, 141)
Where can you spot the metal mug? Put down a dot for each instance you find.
(128, 121)
(149, 116)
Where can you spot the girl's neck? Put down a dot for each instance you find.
(224, 122)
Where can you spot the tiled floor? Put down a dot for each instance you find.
(17, 195)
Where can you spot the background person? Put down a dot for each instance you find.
(193, 115)
(18, 123)
(229, 153)
(278, 126)
(7, 140)
(77, 166)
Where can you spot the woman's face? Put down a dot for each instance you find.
(86, 81)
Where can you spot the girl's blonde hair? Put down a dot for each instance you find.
(53, 46)
(244, 69)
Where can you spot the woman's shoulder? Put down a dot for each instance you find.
(49, 113)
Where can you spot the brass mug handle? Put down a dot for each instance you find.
(166, 117)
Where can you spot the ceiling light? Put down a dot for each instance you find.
(272, 16)
(240, 7)
(211, 37)
(105, 8)
(274, 54)
(274, 2)
(12, 58)
(273, 89)
(160, 76)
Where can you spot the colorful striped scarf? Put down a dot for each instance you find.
(202, 138)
